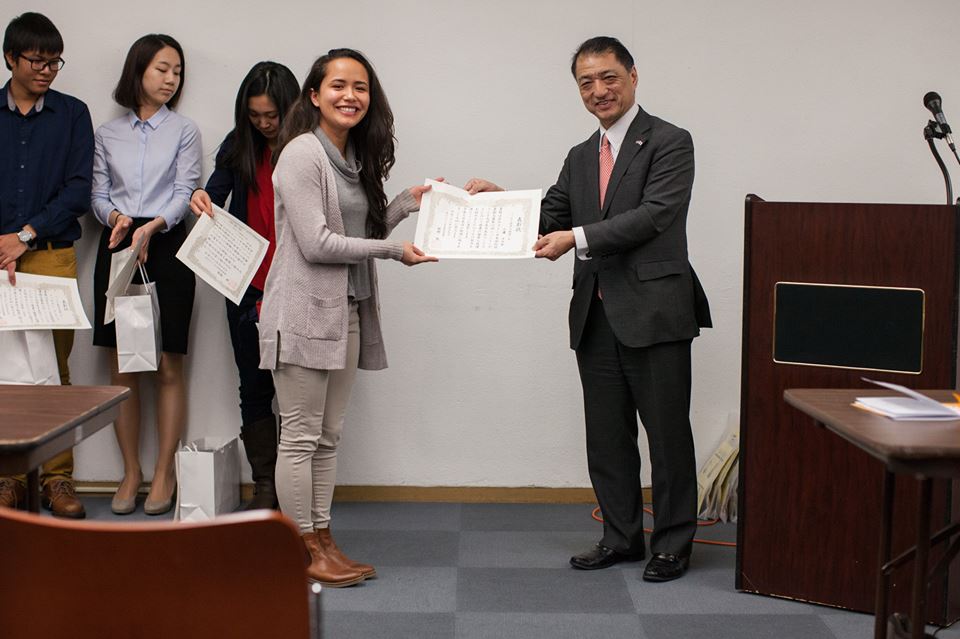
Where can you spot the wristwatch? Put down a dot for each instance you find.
(25, 236)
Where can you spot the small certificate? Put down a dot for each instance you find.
(494, 225)
(40, 302)
(224, 252)
(122, 265)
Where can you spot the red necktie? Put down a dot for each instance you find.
(606, 166)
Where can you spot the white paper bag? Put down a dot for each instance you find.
(28, 357)
(208, 478)
(139, 344)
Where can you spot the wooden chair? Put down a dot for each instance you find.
(238, 576)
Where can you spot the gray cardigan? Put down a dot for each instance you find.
(303, 320)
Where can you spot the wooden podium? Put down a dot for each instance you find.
(809, 502)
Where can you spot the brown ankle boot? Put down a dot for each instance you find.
(325, 566)
(368, 571)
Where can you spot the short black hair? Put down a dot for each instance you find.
(129, 91)
(31, 32)
(600, 45)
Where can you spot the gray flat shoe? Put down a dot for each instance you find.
(123, 506)
(162, 507)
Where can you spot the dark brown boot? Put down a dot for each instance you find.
(325, 566)
(368, 571)
(260, 443)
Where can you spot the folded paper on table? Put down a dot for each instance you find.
(914, 407)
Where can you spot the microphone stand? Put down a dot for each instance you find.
(931, 131)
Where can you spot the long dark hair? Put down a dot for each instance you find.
(372, 137)
(129, 91)
(276, 82)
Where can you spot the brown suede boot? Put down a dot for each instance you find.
(325, 566)
(368, 571)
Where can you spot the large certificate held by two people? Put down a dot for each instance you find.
(493, 225)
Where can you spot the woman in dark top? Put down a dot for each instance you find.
(243, 169)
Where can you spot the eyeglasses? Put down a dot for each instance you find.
(39, 64)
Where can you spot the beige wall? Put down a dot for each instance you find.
(811, 101)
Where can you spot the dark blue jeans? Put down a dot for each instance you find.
(256, 386)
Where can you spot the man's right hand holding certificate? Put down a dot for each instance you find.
(551, 246)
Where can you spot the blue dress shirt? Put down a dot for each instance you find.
(146, 169)
(46, 158)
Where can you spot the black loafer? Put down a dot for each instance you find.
(601, 557)
(665, 567)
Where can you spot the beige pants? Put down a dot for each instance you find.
(312, 407)
(60, 263)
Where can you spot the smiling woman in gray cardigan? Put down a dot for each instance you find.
(320, 318)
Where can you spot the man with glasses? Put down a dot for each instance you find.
(46, 166)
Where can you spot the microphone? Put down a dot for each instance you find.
(932, 101)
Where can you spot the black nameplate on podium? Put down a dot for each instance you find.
(864, 327)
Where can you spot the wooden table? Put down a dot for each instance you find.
(40, 422)
(923, 449)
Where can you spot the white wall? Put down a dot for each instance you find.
(812, 101)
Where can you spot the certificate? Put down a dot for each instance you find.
(122, 265)
(493, 225)
(40, 302)
(224, 252)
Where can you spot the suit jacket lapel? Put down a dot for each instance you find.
(592, 162)
(635, 139)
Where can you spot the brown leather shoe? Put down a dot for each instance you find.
(325, 566)
(61, 499)
(13, 494)
(368, 571)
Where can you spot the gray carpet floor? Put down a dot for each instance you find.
(471, 571)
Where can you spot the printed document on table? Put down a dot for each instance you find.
(224, 252)
(914, 407)
(495, 225)
(40, 302)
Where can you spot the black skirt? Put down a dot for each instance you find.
(175, 286)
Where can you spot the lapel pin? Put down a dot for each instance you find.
(639, 142)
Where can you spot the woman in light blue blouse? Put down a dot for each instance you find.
(146, 164)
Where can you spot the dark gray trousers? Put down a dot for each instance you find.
(620, 383)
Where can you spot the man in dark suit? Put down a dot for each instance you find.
(621, 201)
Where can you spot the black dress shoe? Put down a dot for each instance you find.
(601, 557)
(665, 567)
